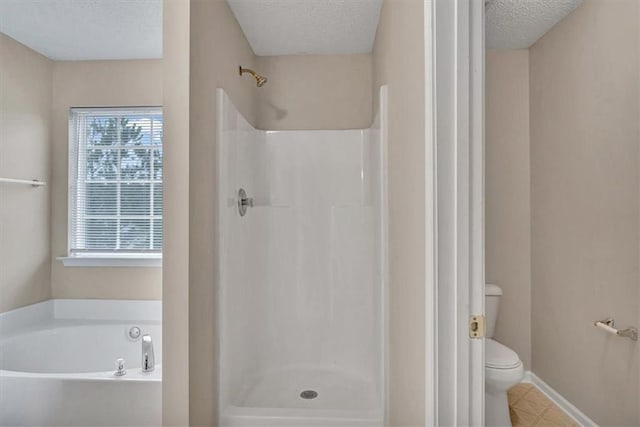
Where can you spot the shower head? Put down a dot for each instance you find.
(260, 80)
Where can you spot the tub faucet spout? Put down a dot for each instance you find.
(148, 360)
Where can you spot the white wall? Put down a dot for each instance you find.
(244, 287)
(25, 147)
(321, 249)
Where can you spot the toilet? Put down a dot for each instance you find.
(503, 368)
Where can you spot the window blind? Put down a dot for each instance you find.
(115, 181)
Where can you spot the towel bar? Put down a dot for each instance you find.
(33, 183)
(607, 325)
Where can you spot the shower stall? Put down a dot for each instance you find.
(303, 267)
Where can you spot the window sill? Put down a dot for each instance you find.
(110, 261)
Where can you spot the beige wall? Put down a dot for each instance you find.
(25, 122)
(638, 95)
(507, 195)
(398, 61)
(96, 84)
(175, 262)
(218, 46)
(315, 92)
(585, 192)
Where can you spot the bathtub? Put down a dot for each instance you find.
(57, 364)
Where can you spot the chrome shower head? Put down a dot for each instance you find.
(260, 80)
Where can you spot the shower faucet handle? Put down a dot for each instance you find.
(244, 202)
(247, 201)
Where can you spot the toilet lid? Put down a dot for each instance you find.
(498, 356)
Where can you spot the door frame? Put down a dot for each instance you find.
(454, 174)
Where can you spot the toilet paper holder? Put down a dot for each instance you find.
(608, 324)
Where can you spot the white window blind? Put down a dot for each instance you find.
(115, 181)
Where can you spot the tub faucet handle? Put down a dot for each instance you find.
(120, 370)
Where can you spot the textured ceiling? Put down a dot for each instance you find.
(126, 29)
(517, 24)
(292, 27)
(85, 29)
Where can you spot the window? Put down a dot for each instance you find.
(115, 183)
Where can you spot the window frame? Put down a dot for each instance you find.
(97, 258)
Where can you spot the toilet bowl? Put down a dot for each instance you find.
(503, 368)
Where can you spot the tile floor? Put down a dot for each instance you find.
(529, 407)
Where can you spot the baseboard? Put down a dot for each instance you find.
(562, 403)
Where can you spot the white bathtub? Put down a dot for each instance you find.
(57, 363)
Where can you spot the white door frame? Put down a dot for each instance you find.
(454, 173)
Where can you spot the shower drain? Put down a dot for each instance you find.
(309, 394)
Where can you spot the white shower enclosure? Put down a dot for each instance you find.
(303, 272)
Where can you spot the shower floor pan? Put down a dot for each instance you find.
(307, 397)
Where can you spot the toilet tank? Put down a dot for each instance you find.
(492, 295)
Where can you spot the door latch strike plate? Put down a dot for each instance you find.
(476, 326)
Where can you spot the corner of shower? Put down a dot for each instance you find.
(303, 267)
